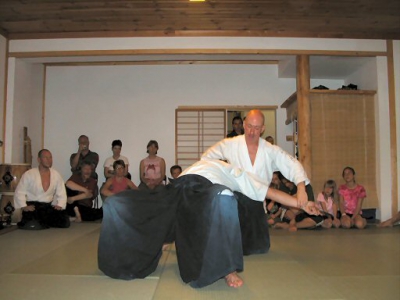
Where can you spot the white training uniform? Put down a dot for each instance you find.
(269, 158)
(219, 172)
(30, 188)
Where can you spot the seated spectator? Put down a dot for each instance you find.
(237, 127)
(175, 171)
(390, 222)
(328, 204)
(84, 154)
(152, 168)
(270, 140)
(352, 196)
(294, 218)
(81, 191)
(118, 182)
(116, 147)
(272, 208)
(41, 195)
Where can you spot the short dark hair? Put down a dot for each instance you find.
(152, 142)
(41, 151)
(83, 136)
(348, 168)
(86, 163)
(237, 118)
(116, 143)
(175, 167)
(118, 162)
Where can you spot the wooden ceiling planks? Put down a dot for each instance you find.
(302, 18)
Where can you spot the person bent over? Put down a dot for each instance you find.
(81, 192)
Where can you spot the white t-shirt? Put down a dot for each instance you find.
(110, 161)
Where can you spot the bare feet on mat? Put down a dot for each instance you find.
(233, 280)
(165, 247)
(281, 225)
(292, 228)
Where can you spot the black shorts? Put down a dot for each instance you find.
(350, 215)
(317, 219)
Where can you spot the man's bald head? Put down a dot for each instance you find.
(256, 113)
(254, 125)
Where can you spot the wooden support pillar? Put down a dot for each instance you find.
(392, 129)
(304, 112)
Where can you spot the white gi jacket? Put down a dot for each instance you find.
(269, 158)
(30, 189)
(236, 179)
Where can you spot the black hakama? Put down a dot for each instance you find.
(208, 233)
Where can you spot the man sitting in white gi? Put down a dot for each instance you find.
(42, 197)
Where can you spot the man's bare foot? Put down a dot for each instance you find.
(165, 247)
(233, 280)
(271, 221)
(281, 225)
(292, 228)
(78, 218)
(387, 223)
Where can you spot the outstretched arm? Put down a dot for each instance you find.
(288, 200)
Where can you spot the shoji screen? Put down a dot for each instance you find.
(196, 130)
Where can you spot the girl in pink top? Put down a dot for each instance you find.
(351, 198)
(118, 182)
(327, 201)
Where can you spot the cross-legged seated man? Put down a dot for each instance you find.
(81, 191)
(42, 197)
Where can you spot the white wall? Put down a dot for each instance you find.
(3, 74)
(137, 103)
(365, 77)
(24, 107)
(384, 185)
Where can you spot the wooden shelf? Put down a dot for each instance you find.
(342, 92)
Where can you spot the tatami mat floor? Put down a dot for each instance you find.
(312, 264)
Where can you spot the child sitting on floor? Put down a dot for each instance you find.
(351, 198)
(328, 201)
